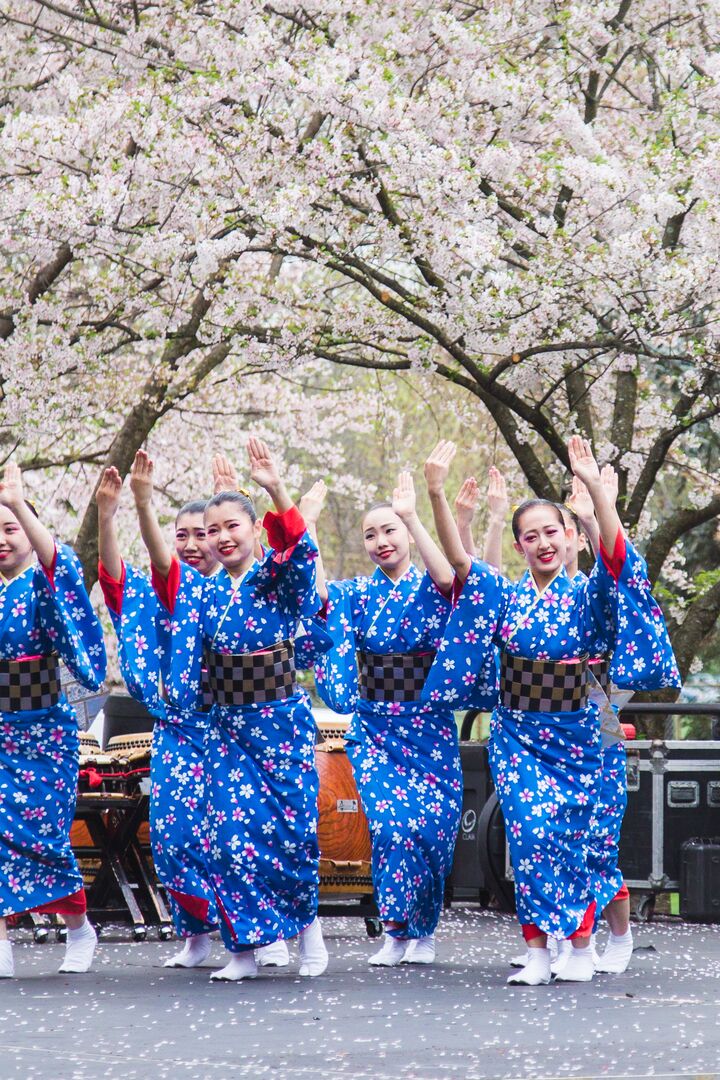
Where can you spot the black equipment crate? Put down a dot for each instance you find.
(700, 880)
(673, 796)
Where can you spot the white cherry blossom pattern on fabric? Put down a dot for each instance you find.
(547, 766)
(404, 756)
(177, 775)
(41, 614)
(261, 784)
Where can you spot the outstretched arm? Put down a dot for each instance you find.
(466, 502)
(264, 472)
(585, 467)
(107, 498)
(404, 505)
(310, 506)
(141, 485)
(497, 508)
(12, 495)
(437, 468)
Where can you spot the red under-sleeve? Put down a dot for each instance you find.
(112, 588)
(166, 589)
(615, 562)
(457, 588)
(50, 570)
(284, 531)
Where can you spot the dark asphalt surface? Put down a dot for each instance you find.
(132, 1018)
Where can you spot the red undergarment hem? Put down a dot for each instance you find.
(194, 905)
(530, 931)
(623, 893)
(75, 904)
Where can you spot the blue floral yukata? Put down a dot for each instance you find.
(635, 607)
(44, 612)
(261, 782)
(404, 755)
(177, 774)
(547, 766)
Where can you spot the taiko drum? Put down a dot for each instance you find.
(343, 833)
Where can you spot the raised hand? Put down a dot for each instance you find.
(141, 479)
(466, 502)
(224, 475)
(582, 461)
(11, 486)
(579, 500)
(610, 483)
(263, 469)
(497, 496)
(437, 465)
(312, 502)
(109, 490)
(403, 500)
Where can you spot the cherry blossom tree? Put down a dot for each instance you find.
(515, 197)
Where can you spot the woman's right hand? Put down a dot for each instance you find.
(437, 466)
(312, 502)
(141, 478)
(109, 491)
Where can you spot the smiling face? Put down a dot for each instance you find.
(16, 552)
(543, 541)
(191, 544)
(387, 541)
(231, 536)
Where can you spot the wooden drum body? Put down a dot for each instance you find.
(343, 834)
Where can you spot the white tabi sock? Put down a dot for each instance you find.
(313, 954)
(564, 948)
(521, 959)
(593, 950)
(392, 952)
(536, 972)
(79, 950)
(579, 966)
(7, 967)
(194, 952)
(241, 966)
(617, 954)
(275, 955)
(420, 951)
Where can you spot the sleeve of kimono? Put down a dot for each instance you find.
(463, 674)
(68, 617)
(289, 566)
(643, 657)
(134, 613)
(336, 673)
(184, 596)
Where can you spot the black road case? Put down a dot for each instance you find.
(673, 796)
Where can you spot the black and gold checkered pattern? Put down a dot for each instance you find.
(395, 677)
(601, 670)
(29, 684)
(206, 700)
(252, 678)
(542, 685)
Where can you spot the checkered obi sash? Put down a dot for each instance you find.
(543, 685)
(32, 683)
(397, 677)
(252, 678)
(600, 668)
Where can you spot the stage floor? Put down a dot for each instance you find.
(131, 1018)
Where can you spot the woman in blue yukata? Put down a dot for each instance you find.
(177, 797)
(404, 754)
(261, 783)
(45, 617)
(545, 750)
